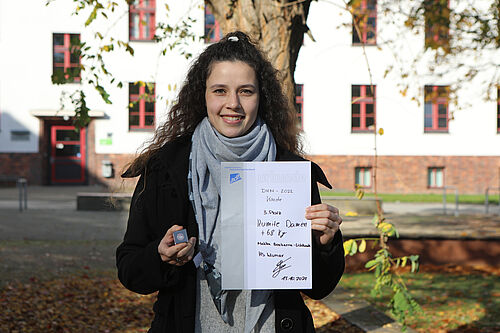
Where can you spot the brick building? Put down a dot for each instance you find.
(428, 143)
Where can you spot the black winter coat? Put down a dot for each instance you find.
(161, 200)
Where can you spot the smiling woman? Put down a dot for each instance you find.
(232, 97)
(230, 109)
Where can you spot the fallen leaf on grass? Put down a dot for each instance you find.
(74, 304)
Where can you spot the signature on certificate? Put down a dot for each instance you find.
(280, 265)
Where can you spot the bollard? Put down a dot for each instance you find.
(22, 185)
(444, 200)
(456, 213)
(486, 198)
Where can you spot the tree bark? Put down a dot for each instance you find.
(277, 25)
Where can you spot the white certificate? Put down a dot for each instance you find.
(265, 238)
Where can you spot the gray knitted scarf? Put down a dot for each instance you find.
(209, 149)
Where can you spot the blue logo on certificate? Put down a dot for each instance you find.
(234, 177)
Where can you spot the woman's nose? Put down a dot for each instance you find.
(233, 101)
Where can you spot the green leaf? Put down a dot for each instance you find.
(371, 263)
(129, 49)
(403, 263)
(92, 16)
(354, 248)
(103, 93)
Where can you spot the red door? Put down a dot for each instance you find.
(67, 156)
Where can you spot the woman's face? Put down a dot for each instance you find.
(232, 97)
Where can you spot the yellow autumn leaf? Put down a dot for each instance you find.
(385, 227)
(381, 131)
(359, 192)
(362, 246)
(347, 246)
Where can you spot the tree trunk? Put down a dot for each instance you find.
(277, 25)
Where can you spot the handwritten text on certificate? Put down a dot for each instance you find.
(265, 238)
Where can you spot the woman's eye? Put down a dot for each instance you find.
(247, 91)
(219, 91)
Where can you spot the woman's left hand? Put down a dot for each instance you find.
(325, 221)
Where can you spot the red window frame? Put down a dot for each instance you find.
(361, 102)
(436, 98)
(213, 32)
(359, 173)
(437, 23)
(142, 29)
(138, 101)
(432, 177)
(498, 110)
(68, 49)
(365, 16)
(299, 104)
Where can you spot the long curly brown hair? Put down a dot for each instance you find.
(191, 108)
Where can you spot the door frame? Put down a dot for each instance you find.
(52, 158)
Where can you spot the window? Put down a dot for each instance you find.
(299, 104)
(363, 176)
(66, 58)
(363, 108)
(213, 32)
(141, 105)
(19, 136)
(436, 109)
(365, 19)
(142, 19)
(435, 177)
(437, 23)
(498, 110)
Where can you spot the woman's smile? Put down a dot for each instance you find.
(232, 119)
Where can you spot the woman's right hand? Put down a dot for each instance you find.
(176, 254)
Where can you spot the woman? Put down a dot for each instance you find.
(231, 108)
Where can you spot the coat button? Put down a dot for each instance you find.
(286, 324)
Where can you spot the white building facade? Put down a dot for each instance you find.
(427, 144)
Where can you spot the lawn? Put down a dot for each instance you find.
(429, 197)
(452, 300)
